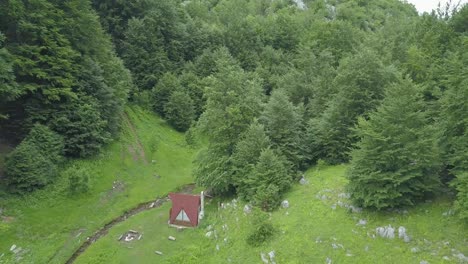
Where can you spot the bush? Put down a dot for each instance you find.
(262, 229)
(33, 164)
(78, 180)
(461, 204)
(27, 169)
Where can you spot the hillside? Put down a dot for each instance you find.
(147, 161)
(315, 227)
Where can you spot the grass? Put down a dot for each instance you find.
(305, 232)
(50, 224)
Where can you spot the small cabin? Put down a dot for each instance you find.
(187, 209)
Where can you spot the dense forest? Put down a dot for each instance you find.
(267, 87)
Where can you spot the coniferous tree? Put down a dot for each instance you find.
(396, 162)
(168, 84)
(454, 125)
(361, 81)
(233, 101)
(179, 110)
(246, 155)
(283, 125)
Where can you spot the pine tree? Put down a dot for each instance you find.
(396, 162)
(233, 101)
(270, 178)
(179, 111)
(283, 124)
(168, 84)
(246, 155)
(361, 81)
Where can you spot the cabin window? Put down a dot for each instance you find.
(182, 216)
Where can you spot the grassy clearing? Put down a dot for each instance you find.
(305, 233)
(49, 224)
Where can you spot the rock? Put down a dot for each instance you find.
(318, 240)
(225, 227)
(209, 234)
(401, 232)
(423, 262)
(362, 222)
(247, 209)
(303, 181)
(12, 247)
(414, 250)
(344, 195)
(386, 232)
(461, 257)
(333, 207)
(171, 238)
(271, 254)
(328, 260)
(264, 258)
(366, 248)
(285, 204)
(17, 250)
(217, 247)
(446, 258)
(210, 227)
(407, 239)
(158, 252)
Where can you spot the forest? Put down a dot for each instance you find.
(268, 88)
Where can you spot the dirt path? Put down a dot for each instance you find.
(138, 148)
(138, 209)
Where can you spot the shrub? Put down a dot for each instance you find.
(33, 164)
(262, 229)
(27, 169)
(461, 204)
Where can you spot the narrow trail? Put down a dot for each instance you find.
(139, 147)
(138, 209)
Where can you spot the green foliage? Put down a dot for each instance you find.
(8, 89)
(261, 229)
(179, 110)
(361, 81)
(78, 179)
(34, 163)
(284, 126)
(246, 155)
(81, 125)
(27, 169)
(270, 178)
(396, 162)
(163, 90)
(233, 101)
(461, 204)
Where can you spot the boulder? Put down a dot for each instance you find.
(285, 204)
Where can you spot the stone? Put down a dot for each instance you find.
(217, 247)
(461, 257)
(303, 181)
(401, 232)
(271, 254)
(407, 239)
(171, 238)
(12, 247)
(344, 195)
(362, 222)
(247, 209)
(285, 204)
(328, 260)
(209, 234)
(423, 262)
(264, 258)
(355, 209)
(414, 250)
(158, 252)
(446, 258)
(386, 232)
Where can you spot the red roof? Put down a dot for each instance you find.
(187, 202)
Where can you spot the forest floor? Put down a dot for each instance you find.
(318, 227)
(49, 225)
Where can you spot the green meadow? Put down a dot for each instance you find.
(313, 229)
(148, 160)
